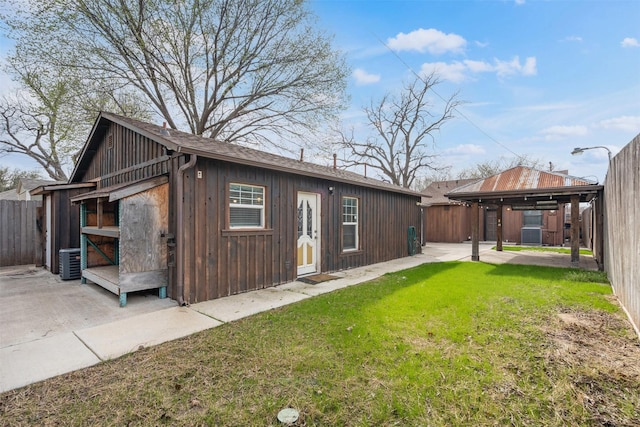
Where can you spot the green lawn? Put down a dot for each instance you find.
(542, 249)
(441, 344)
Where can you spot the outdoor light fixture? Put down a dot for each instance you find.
(330, 190)
(579, 150)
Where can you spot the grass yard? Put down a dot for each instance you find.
(442, 344)
(542, 249)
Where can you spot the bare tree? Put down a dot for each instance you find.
(404, 129)
(48, 118)
(236, 70)
(32, 123)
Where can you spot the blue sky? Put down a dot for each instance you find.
(538, 77)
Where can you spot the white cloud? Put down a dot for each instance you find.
(573, 39)
(364, 78)
(454, 72)
(459, 71)
(467, 149)
(481, 44)
(431, 40)
(507, 68)
(630, 42)
(624, 123)
(478, 66)
(562, 132)
(520, 2)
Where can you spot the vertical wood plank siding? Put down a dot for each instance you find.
(20, 240)
(127, 151)
(221, 262)
(65, 219)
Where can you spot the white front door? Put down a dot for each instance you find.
(308, 210)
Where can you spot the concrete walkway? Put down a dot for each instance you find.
(49, 327)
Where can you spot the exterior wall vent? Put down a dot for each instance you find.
(110, 141)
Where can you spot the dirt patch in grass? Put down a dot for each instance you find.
(598, 357)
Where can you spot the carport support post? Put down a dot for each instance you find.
(499, 227)
(475, 235)
(575, 231)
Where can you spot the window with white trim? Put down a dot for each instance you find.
(246, 206)
(349, 224)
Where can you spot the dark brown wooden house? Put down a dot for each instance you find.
(201, 219)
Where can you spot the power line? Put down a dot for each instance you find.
(464, 116)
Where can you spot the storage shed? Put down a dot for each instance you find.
(204, 219)
(58, 220)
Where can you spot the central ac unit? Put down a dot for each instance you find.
(531, 236)
(70, 264)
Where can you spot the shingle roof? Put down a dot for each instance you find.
(9, 195)
(28, 184)
(192, 144)
(437, 190)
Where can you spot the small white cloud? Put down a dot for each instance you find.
(520, 2)
(624, 123)
(481, 44)
(577, 39)
(562, 132)
(431, 40)
(457, 71)
(478, 66)
(364, 78)
(454, 72)
(508, 68)
(467, 149)
(630, 42)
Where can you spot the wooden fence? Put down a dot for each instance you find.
(20, 238)
(622, 227)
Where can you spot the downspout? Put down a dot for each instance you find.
(180, 230)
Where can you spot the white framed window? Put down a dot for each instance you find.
(349, 224)
(246, 206)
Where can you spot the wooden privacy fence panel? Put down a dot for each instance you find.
(20, 241)
(622, 227)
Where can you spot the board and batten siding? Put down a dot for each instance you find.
(20, 238)
(65, 222)
(124, 155)
(221, 262)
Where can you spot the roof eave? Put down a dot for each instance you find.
(285, 169)
(538, 192)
